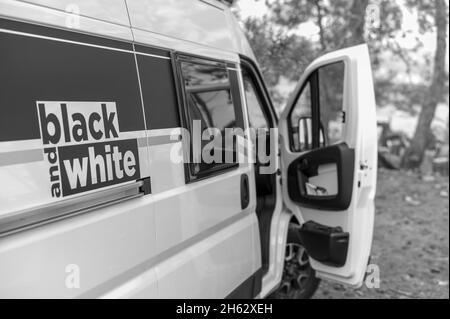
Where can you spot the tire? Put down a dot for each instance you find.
(299, 280)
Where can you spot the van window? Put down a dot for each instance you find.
(302, 111)
(331, 90)
(256, 116)
(211, 115)
(318, 118)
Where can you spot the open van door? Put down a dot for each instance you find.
(329, 162)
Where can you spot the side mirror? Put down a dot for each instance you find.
(305, 134)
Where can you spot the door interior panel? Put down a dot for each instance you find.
(308, 169)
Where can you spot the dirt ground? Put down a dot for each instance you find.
(411, 240)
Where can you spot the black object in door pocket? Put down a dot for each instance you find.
(325, 244)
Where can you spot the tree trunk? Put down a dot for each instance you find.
(414, 155)
(321, 26)
(357, 22)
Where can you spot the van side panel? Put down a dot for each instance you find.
(209, 241)
(203, 232)
(190, 20)
(89, 20)
(93, 252)
(57, 85)
(113, 11)
(105, 248)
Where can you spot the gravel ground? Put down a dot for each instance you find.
(411, 240)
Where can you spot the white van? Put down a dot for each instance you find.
(100, 196)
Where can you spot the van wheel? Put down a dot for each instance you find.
(299, 279)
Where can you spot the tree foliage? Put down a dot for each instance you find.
(340, 23)
(433, 14)
(284, 52)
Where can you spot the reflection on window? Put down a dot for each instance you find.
(331, 92)
(300, 113)
(330, 106)
(210, 106)
(255, 114)
(305, 133)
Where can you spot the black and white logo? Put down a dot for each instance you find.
(82, 145)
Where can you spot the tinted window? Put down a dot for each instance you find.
(255, 113)
(302, 114)
(322, 97)
(208, 90)
(331, 93)
(210, 110)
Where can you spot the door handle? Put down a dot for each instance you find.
(245, 191)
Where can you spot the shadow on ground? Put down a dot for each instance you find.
(411, 240)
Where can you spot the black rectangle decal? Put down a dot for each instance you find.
(35, 69)
(159, 93)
